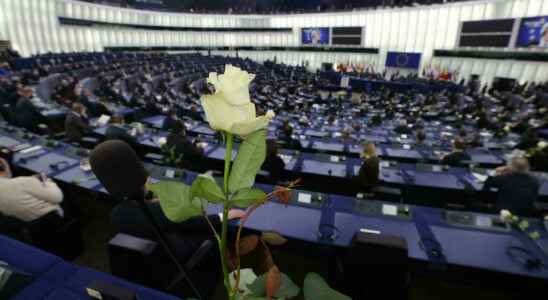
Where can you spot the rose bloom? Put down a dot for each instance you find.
(230, 108)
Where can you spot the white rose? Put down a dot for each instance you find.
(542, 144)
(230, 108)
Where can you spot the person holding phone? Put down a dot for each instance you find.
(28, 198)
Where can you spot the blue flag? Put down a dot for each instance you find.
(403, 60)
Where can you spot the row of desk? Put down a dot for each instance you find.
(333, 220)
(398, 147)
(338, 169)
(55, 279)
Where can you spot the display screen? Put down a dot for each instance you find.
(533, 33)
(351, 36)
(315, 36)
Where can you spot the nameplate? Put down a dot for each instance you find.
(304, 198)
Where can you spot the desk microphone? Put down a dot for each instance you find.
(56, 166)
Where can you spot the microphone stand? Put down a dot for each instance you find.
(168, 248)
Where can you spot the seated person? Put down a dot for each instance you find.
(182, 148)
(368, 175)
(402, 128)
(376, 120)
(517, 189)
(170, 120)
(28, 198)
(304, 120)
(529, 139)
(421, 138)
(287, 137)
(458, 157)
(194, 114)
(186, 237)
(76, 123)
(273, 163)
(94, 107)
(26, 114)
(117, 131)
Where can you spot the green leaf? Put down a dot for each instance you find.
(176, 201)
(205, 187)
(535, 235)
(523, 225)
(315, 288)
(288, 289)
(248, 196)
(251, 155)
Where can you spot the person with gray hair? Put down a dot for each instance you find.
(543, 40)
(517, 190)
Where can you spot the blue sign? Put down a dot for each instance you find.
(533, 32)
(403, 60)
(315, 36)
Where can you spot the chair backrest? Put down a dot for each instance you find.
(376, 267)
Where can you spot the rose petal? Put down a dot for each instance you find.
(246, 127)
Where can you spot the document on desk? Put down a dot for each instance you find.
(304, 198)
(389, 210)
(103, 120)
(479, 177)
(31, 149)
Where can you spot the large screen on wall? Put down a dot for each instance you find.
(486, 33)
(315, 36)
(533, 33)
(346, 36)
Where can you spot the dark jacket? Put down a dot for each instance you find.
(516, 192)
(26, 115)
(183, 148)
(456, 159)
(75, 127)
(368, 176)
(118, 132)
(275, 166)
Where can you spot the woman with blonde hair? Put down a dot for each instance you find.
(368, 176)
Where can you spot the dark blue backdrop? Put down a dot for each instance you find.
(315, 36)
(530, 32)
(403, 60)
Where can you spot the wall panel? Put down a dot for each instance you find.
(32, 27)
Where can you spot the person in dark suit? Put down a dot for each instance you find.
(273, 163)
(117, 131)
(95, 108)
(170, 120)
(402, 128)
(517, 190)
(194, 114)
(529, 139)
(368, 175)
(286, 137)
(185, 237)
(181, 148)
(76, 123)
(26, 114)
(458, 157)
